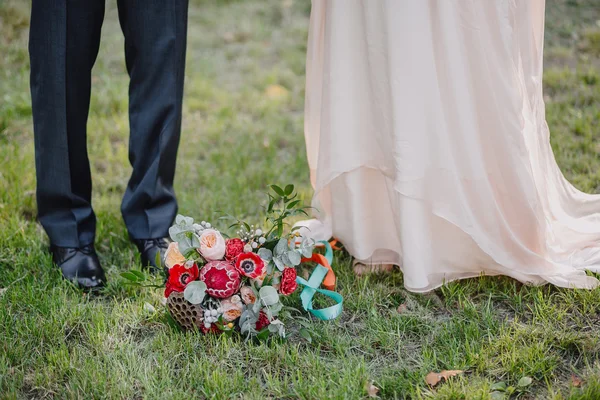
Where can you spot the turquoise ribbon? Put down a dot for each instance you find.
(312, 286)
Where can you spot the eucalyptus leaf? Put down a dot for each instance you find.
(275, 309)
(268, 295)
(285, 259)
(183, 220)
(279, 264)
(195, 292)
(294, 257)
(265, 254)
(281, 247)
(307, 252)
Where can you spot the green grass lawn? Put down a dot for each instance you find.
(56, 342)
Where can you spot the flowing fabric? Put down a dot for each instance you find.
(428, 146)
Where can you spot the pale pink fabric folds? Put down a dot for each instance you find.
(428, 147)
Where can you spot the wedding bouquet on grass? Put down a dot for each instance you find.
(223, 284)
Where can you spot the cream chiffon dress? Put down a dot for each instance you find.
(428, 145)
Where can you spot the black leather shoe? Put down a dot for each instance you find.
(149, 248)
(79, 265)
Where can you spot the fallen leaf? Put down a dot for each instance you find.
(576, 381)
(372, 390)
(2, 291)
(402, 308)
(276, 92)
(433, 378)
(524, 382)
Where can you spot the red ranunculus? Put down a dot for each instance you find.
(179, 277)
(221, 278)
(233, 248)
(288, 281)
(263, 321)
(250, 265)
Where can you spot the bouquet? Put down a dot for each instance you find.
(217, 283)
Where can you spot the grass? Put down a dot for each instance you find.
(56, 342)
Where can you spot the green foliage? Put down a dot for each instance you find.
(56, 342)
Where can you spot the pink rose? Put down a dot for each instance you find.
(232, 308)
(212, 245)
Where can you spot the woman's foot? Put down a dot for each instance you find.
(364, 269)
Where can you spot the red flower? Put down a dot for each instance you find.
(221, 278)
(263, 321)
(288, 281)
(179, 277)
(233, 248)
(250, 265)
(213, 329)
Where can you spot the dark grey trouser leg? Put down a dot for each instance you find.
(155, 43)
(63, 45)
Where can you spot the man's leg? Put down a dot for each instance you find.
(155, 43)
(155, 39)
(63, 45)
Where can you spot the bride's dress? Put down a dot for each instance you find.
(428, 145)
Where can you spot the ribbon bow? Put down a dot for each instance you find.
(322, 274)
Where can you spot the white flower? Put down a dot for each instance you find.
(212, 245)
